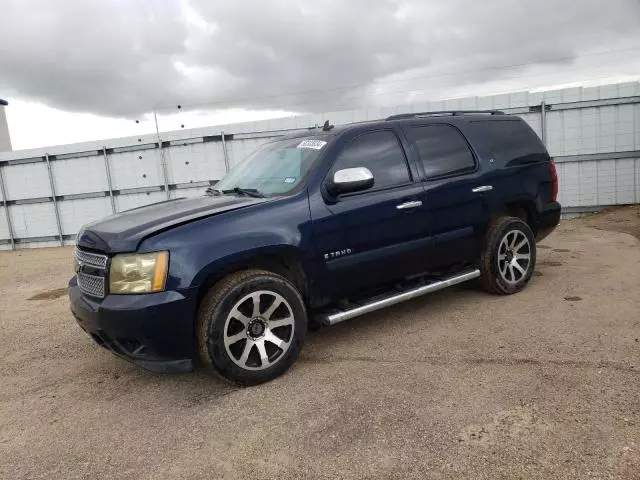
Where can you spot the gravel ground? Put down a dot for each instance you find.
(543, 384)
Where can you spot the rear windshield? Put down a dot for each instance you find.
(511, 141)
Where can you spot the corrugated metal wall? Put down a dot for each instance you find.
(48, 194)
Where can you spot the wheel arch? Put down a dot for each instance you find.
(522, 208)
(282, 260)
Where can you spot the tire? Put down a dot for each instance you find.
(501, 271)
(244, 345)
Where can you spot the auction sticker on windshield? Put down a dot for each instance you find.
(315, 144)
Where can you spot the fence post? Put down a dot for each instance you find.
(163, 161)
(224, 152)
(636, 186)
(108, 170)
(543, 122)
(53, 197)
(6, 210)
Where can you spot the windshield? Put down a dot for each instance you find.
(276, 168)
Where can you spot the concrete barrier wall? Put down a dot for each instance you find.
(47, 194)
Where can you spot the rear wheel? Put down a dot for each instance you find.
(251, 327)
(508, 257)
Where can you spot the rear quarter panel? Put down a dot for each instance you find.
(514, 178)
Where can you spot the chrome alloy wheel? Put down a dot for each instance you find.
(514, 256)
(259, 330)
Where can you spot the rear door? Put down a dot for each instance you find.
(373, 236)
(454, 195)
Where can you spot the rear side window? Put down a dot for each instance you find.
(511, 141)
(442, 149)
(381, 153)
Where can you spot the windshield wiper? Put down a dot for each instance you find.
(212, 191)
(249, 192)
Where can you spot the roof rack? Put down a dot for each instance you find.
(442, 113)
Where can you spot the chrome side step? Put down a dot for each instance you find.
(341, 316)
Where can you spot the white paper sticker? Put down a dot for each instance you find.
(314, 144)
(290, 180)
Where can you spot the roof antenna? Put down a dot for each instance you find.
(326, 127)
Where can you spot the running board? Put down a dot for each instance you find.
(341, 316)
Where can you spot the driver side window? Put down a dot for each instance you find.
(381, 153)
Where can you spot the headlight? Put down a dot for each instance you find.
(138, 273)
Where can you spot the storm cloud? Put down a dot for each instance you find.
(126, 57)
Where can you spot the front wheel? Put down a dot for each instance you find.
(251, 327)
(508, 257)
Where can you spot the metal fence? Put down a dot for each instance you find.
(47, 194)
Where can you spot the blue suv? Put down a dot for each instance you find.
(316, 228)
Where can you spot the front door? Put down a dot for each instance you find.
(374, 236)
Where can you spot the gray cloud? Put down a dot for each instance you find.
(124, 57)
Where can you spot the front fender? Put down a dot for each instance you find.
(231, 262)
(204, 248)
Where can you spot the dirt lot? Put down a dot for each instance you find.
(543, 384)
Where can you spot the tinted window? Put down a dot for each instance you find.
(511, 140)
(381, 153)
(442, 150)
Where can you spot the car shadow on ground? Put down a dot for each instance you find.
(200, 386)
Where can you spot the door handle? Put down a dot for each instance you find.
(483, 188)
(409, 205)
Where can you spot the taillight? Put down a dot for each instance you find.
(554, 180)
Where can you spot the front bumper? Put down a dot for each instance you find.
(152, 330)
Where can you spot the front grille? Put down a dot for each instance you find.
(91, 270)
(91, 284)
(92, 259)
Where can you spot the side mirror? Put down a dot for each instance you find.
(349, 180)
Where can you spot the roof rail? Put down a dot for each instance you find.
(401, 116)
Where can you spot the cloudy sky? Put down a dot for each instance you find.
(77, 70)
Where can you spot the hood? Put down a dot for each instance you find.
(124, 231)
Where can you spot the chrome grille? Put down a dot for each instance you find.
(94, 285)
(92, 259)
(91, 284)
